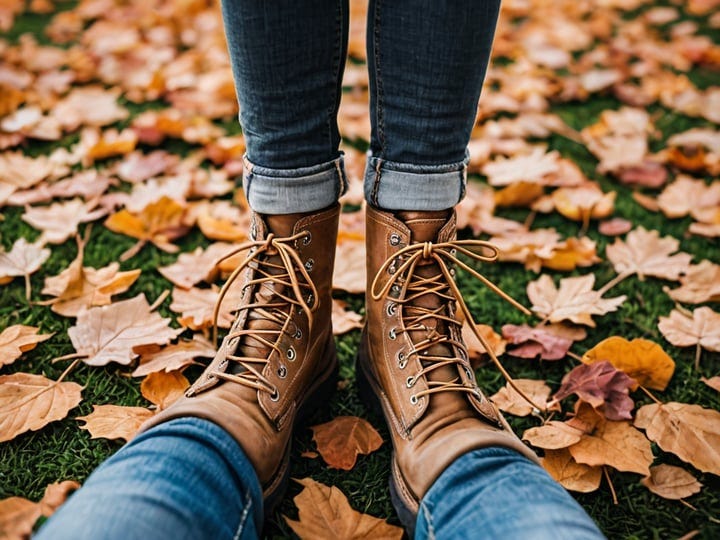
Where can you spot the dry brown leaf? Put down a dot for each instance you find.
(137, 167)
(30, 402)
(553, 435)
(55, 495)
(18, 171)
(543, 247)
(619, 138)
(691, 432)
(534, 167)
(475, 348)
(344, 320)
(114, 421)
(646, 254)
(701, 330)
(700, 284)
(89, 106)
(508, 400)
(175, 356)
(88, 184)
(341, 440)
(671, 482)
(574, 300)
(23, 259)
(160, 223)
(163, 388)
(617, 444)
(585, 202)
(60, 221)
(569, 473)
(641, 359)
(17, 339)
(687, 195)
(325, 514)
(712, 382)
(110, 333)
(196, 306)
(200, 265)
(646, 201)
(221, 220)
(17, 518)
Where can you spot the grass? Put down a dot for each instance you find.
(62, 451)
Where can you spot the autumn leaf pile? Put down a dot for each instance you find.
(594, 169)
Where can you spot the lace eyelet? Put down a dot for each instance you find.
(410, 382)
(452, 272)
(395, 290)
(394, 239)
(413, 399)
(275, 395)
(309, 265)
(310, 299)
(391, 309)
(307, 238)
(392, 334)
(290, 354)
(297, 334)
(282, 372)
(402, 360)
(392, 268)
(469, 374)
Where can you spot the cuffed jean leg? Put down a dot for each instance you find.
(427, 61)
(186, 479)
(288, 57)
(496, 493)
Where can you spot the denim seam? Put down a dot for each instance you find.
(376, 183)
(427, 515)
(244, 515)
(336, 63)
(379, 117)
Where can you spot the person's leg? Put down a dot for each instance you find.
(288, 58)
(497, 493)
(184, 479)
(427, 60)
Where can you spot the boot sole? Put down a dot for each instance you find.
(323, 389)
(369, 390)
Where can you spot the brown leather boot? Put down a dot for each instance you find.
(412, 357)
(278, 359)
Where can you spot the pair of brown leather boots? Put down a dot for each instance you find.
(278, 359)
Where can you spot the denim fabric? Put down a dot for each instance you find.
(186, 479)
(427, 61)
(497, 493)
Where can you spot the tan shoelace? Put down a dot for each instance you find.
(443, 285)
(277, 312)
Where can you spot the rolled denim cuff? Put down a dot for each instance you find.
(289, 191)
(403, 186)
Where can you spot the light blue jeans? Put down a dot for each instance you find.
(189, 479)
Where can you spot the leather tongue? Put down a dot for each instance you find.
(424, 226)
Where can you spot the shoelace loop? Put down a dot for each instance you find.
(442, 253)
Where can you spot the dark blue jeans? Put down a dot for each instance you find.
(189, 480)
(427, 60)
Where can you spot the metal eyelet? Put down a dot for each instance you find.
(453, 251)
(410, 382)
(394, 239)
(452, 272)
(275, 395)
(392, 334)
(297, 334)
(395, 290)
(309, 265)
(469, 373)
(310, 299)
(413, 399)
(391, 309)
(402, 360)
(392, 268)
(290, 354)
(282, 372)
(307, 238)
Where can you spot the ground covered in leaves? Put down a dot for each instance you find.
(594, 168)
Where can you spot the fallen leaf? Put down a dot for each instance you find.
(55, 496)
(538, 342)
(585, 202)
(137, 167)
(341, 440)
(325, 514)
(691, 432)
(163, 388)
(29, 402)
(670, 482)
(17, 518)
(475, 348)
(200, 265)
(60, 221)
(648, 203)
(574, 300)
(196, 307)
(700, 284)
(701, 330)
(160, 223)
(615, 227)
(508, 400)
(601, 385)
(646, 254)
(175, 356)
(22, 260)
(220, 220)
(687, 195)
(114, 421)
(17, 339)
(569, 473)
(712, 382)
(648, 174)
(533, 167)
(641, 359)
(109, 333)
(88, 184)
(89, 106)
(344, 320)
(619, 138)
(553, 435)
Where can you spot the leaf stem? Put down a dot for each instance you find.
(160, 299)
(68, 370)
(698, 353)
(574, 356)
(28, 288)
(650, 395)
(612, 487)
(68, 357)
(614, 281)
